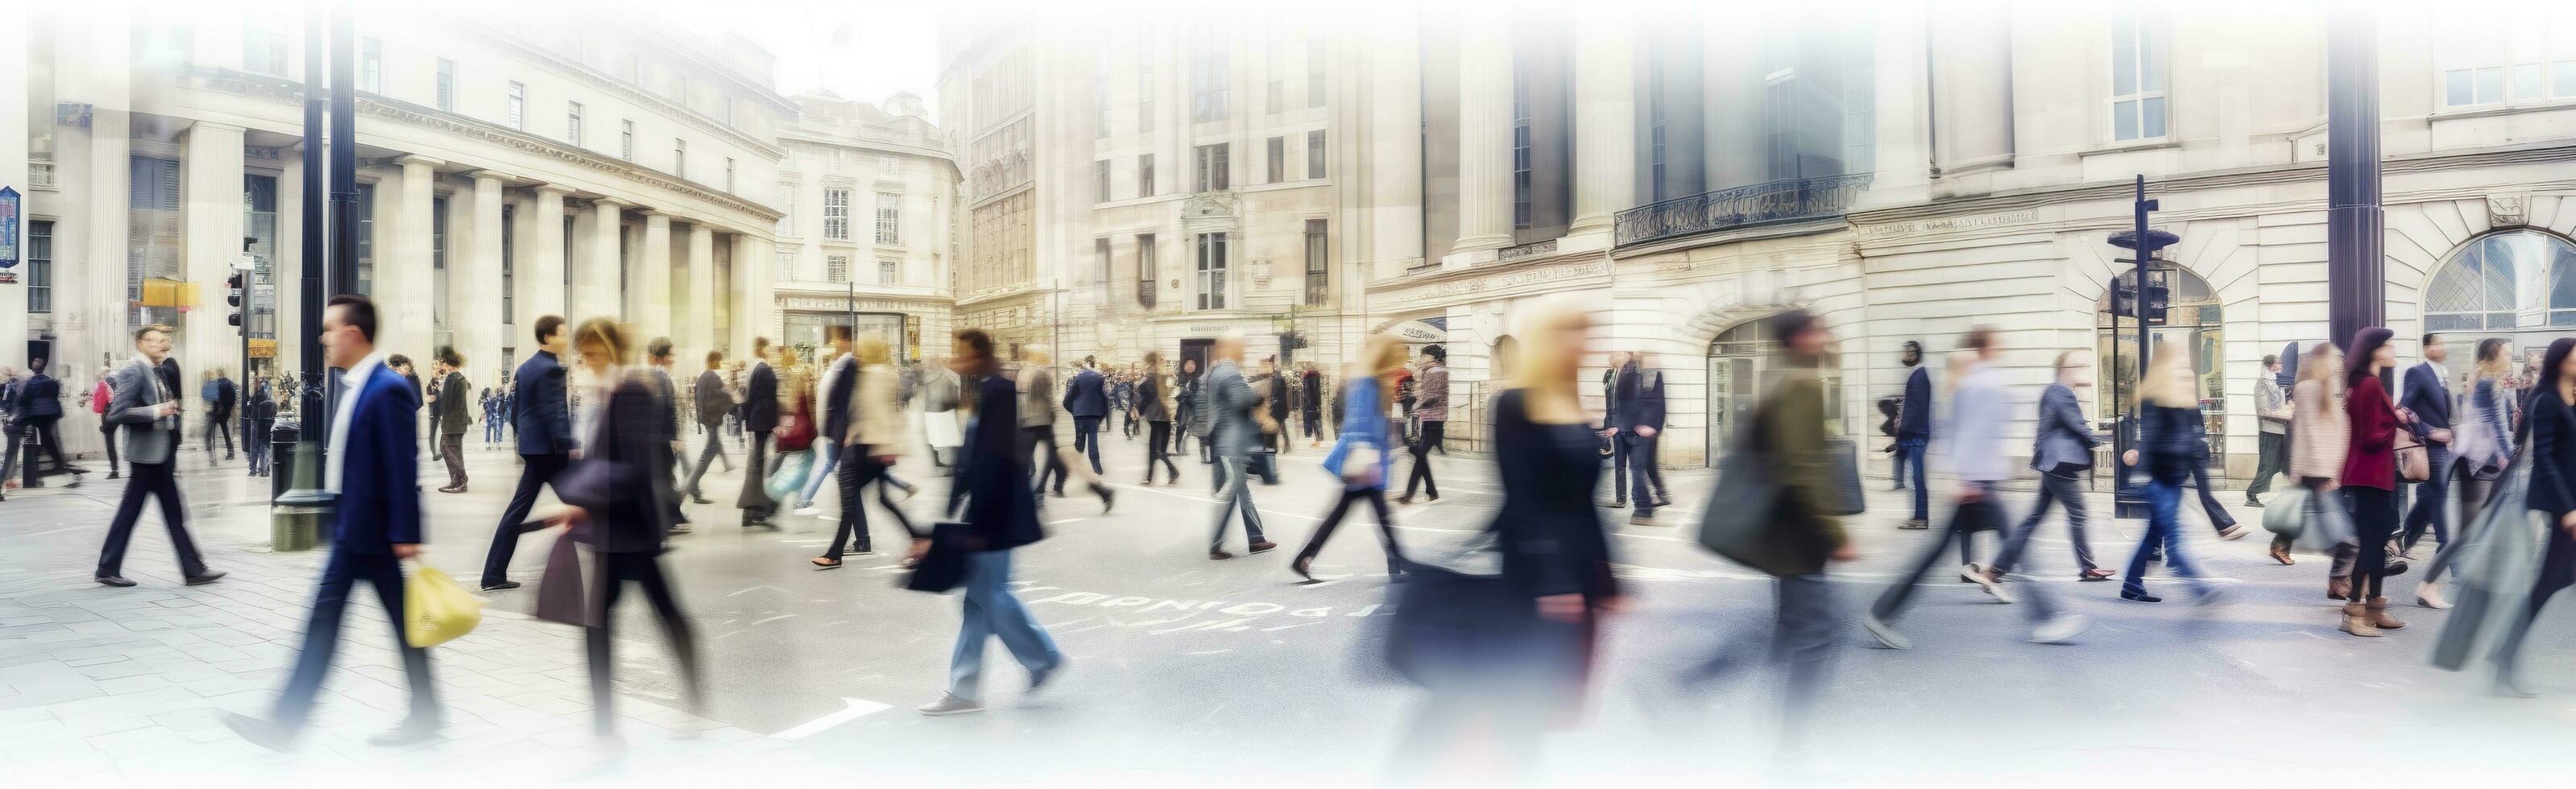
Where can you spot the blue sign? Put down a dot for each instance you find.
(8, 227)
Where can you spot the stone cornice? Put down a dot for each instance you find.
(636, 93)
(926, 151)
(414, 115)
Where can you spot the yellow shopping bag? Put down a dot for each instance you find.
(439, 610)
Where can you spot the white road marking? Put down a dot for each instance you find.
(771, 619)
(856, 709)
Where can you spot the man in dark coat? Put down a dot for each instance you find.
(1641, 425)
(542, 415)
(1087, 399)
(453, 413)
(39, 406)
(1914, 432)
(221, 398)
(759, 416)
(713, 402)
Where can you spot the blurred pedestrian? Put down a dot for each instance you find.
(833, 406)
(2171, 443)
(1310, 403)
(9, 425)
(1122, 398)
(713, 401)
(1431, 406)
(1229, 403)
(871, 443)
(39, 407)
(376, 523)
(1914, 432)
(2272, 413)
(1974, 446)
(618, 502)
(1641, 425)
(222, 398)
(262, 415)
(657, 374)
(2061, 449)
(452, 416)
(1154, 405)
(2425, 391)
(1616, 449)
(541, 413)
(1554, 555)
(1359, 456)
(1192, 420)
(2552, 453)
(2320, 435)
(2370, 478)
(1036, 382)
(1001, 509)
(148, 408)
(759, 416)
(2482, 445)
(1278, 395)
(1087, 398)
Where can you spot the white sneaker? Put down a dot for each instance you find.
(950, 704)
(2233, 532)
(1885, 633)
(1975, 574)
(809, 508)
(2429, 595)
(2059, 629)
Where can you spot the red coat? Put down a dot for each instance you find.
(2371, 462)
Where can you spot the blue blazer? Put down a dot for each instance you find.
(379, 503)
(1083, 396)
(539, 409)
(2062, 436)
(2428, 396)
(1363, 425)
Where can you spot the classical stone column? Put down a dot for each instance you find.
(698, 330)
(1605, 119)
(211, 179)
(597, 289)
(474, 285)
(286, 281)
(13, 161)
(402, 279)
(1485, 76)
(650, 290)
(541, 290)
(753, 313)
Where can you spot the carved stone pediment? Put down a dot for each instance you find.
(2508, 210)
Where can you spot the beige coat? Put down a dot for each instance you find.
(2320, 433)
(877, 419)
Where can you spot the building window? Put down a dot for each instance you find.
(2137, 79)
(1144, 91)
(40, 266)
(572, 122)
(438, 234)
(2483, 62)
(568, 258)
(1315, 154)
(1208, 82)
(836, 268)
(787, 210)
(1144, 175)
(509, 261)
(728, 183)
(680, 158)
(1100, 262)
(367, 239)
(1214, 170)
(1524, 209)
(1278, 160)
(1860, 114)
(1100, 181)
(1145, 286)
(783, 264)
(446, 85)
(518, 105)
(371, 67)
(439, 286)
(626, 140)
(1100, 96)
(1318, 273)
(1276, 97)
(264, 52)
(889, 219)
(1314, 72)
(1211, 271)
(889, 271)
(1780, 124)
(1657, 139)
(836, 214)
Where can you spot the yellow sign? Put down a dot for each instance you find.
(262, 348)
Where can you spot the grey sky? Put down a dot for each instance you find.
(892, 45)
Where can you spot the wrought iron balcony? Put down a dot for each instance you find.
(1785, 200)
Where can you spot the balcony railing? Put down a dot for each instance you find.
(1785, 200)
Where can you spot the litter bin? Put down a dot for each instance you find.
(281, 459)
(296, 516)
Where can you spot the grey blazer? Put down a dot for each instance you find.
(1230, 402)
(134, 393)
(2062, 435)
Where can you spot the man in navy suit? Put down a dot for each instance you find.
(2428, 394)
(543, 419)
(1087, 399)
(376, 472)
(1640, 392)
(759, 416)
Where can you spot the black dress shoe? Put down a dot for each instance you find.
(260, 732)
(411, 731)
(701, 500)
(207, 578)
(501, 587)
(117, 581)
(2141, 597)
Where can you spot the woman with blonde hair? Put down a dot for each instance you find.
(873, 441)
(2482, 443)
(1359, 453)
(2171, 440)
(1554, 555)
(2319, 433)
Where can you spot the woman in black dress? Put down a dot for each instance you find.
(1554, 555)
(619, 498)
(2552, 455)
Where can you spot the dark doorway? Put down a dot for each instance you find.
(1196, 351)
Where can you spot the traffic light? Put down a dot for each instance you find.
(237, 296)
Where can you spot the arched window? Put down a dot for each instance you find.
(2517, 279)
(2192, 318)
(1738, 359)
(1507, 358)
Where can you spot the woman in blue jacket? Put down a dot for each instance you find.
(1364, 402)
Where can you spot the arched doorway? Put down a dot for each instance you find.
(2193, 318)
(1737, 359)
(2516, 284)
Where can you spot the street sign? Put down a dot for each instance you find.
(8, 227)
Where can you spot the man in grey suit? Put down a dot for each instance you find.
(2062, 449)
(452, 414)
(1229, 403)
(143, 403)
(713, 401)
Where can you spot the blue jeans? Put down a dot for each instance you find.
(831, 457)
(2163, 498)
(992, 611)
(1641, 464)
(1909, 454)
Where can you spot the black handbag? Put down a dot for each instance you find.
(943, 567)
(1843, 458)
(1452, 629)
(1984, 514)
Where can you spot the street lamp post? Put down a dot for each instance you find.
(2126, 501)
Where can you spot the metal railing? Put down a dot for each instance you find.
(1744, 206)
